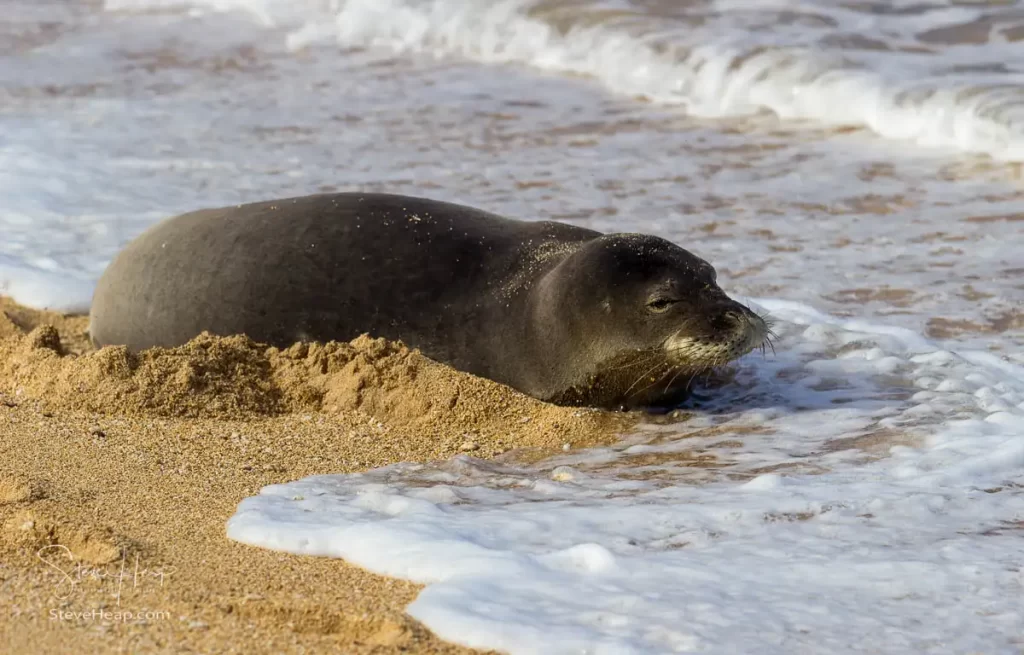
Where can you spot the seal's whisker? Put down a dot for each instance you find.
(649, 357)
(707, 375)
(641, 377)
(677, 374)
(693, 376)
(645, 374)
(651, 384)
(665, 347)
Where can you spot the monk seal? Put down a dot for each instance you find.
(562, 313)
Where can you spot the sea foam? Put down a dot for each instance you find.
(865, 480)
(820, 62)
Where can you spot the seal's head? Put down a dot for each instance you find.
(646, 317)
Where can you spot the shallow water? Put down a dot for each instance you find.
(850, 167)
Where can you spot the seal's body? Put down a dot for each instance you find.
(562, 313)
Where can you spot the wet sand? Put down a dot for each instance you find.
(118, 473)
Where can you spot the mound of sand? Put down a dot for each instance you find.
(237, 378)
(110, 459)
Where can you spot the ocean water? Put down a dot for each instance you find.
(854, 168)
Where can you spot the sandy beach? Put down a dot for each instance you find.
(118, 474)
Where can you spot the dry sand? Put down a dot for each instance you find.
(118, 473)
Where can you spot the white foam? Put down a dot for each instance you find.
(725, 59)
(834, 550)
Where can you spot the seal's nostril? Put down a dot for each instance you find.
(726, 322)
(733, 319)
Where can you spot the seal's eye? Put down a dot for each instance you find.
(659, 305)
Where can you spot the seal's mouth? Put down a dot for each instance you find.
(739, 331)
(661, 375)
(690, 352)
